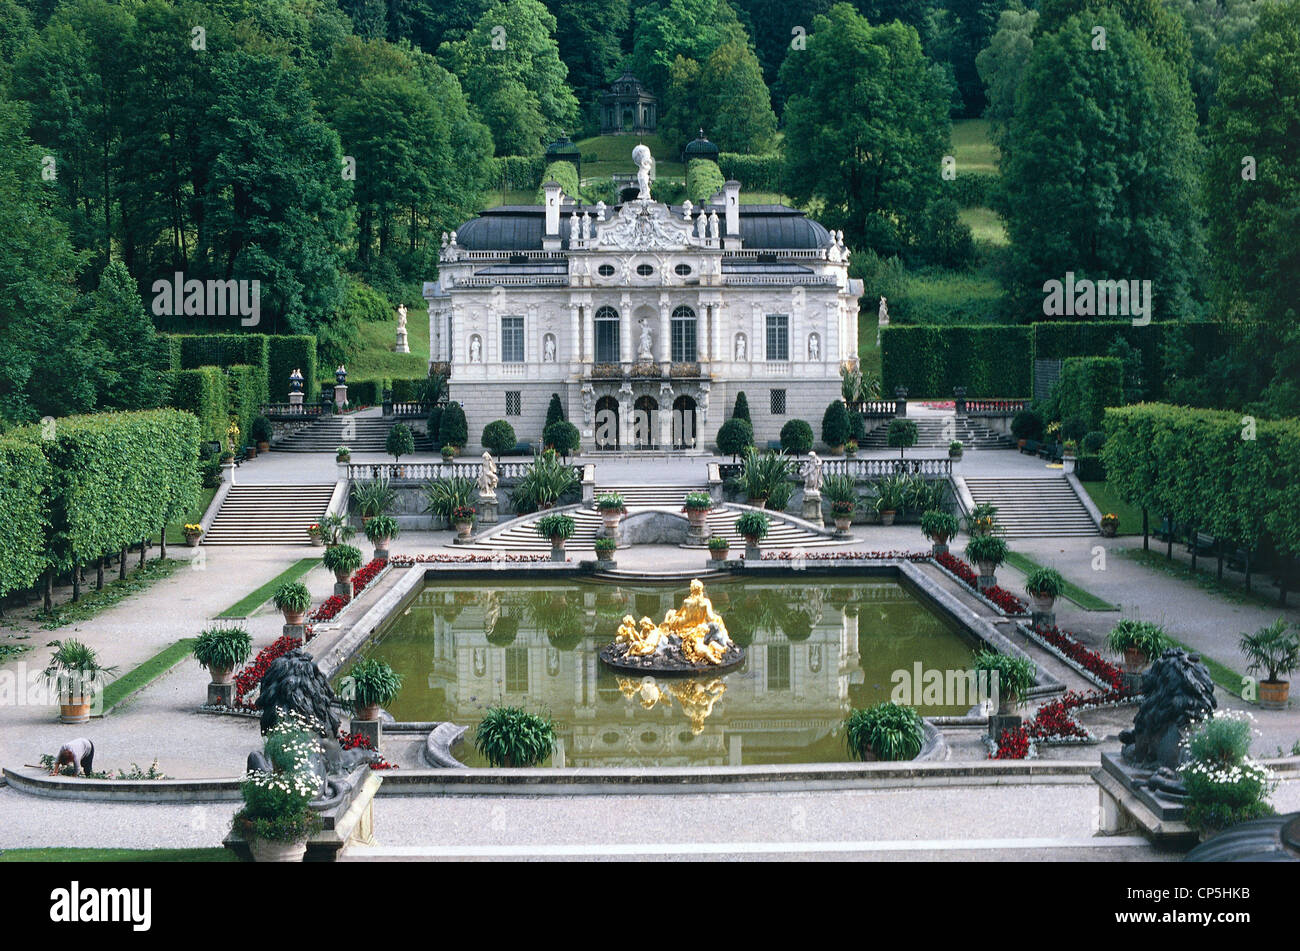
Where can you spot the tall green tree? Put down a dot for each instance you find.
(16, 31)
(866, 130)
(131, 374)
(734, 102)
(1210, 25)
(589, 35)
(779, 28)
(510, 68)
(692, 29)
(1252, 189)
(1099, 169)
(1158, 24)
(1001, 64)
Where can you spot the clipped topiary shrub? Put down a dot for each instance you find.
(498, 437)
(797, 437)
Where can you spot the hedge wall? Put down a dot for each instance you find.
(247, 392)
(703, 180)
(566, 175)
(754, 172)
(289, 353)
(24, 517)
(116, 478)
(1087, 386)
(518, 172)
(1201, 468)
(370, 392)
(410, 391)
(224, 350)
(929, 361)
(203, 392)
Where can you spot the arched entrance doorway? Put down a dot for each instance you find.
(685, 435)
(645, 417)
(606, 423)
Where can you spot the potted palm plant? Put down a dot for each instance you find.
(76, 676)
(335, 529)
(380, 530)
(719, 547)
(955, 449)
(841, 491)
(444, 496)
(221, 649)
(612, 509)
(260, 432)
(293, 599)
(1010, 677)
(1044, 586)
(891, 495)
(463, 516)
(887, 731)
(697, 506)
(369, 686)
(987, 551)
(753, 527)
(372, 498)
(557, 528)
(1275, 649)
(343, 560)
(512, 737)
(343, 454)
(939, 527)
(605, 548)
(1139, 641)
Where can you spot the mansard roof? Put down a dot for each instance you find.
(522, 227)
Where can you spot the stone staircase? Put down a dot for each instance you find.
(268, 514)
(359, 433)
(651, 496)
(1034, 508)
(521, 536)
(935, 432)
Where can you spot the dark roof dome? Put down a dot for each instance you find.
(700, 148)
(563, 150)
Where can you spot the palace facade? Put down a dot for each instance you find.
(646, 319)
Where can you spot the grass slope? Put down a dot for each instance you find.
(1109, 502)
(973, 148)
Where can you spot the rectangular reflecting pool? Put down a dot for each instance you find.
(817, 647)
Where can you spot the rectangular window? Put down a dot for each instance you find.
(514, 405)
(517, 670)
(778, 666)
(777, 402)
(778, 336)
(512, 340)
(607, 340)
(684, 350)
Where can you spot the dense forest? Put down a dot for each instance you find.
(322, 147)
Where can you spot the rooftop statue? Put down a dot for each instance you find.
(645, 162)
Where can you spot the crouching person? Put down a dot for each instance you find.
(80, 753)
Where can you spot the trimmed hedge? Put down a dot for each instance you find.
(247, 394)
(116, 478)
(566, 175)
(24, 520)
(1200, 468)
(224, 350)
(518, 172)
(1087, 386)
(703, 180)
(203, 392)
(369, 392)
(754, 172)
(929, 360)
(410, 391)
(288, 353)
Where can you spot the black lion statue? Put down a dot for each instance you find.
(293, 684)
(1176, 690)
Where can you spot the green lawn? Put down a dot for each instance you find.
(376, 359)
(972, 147)
(1108, 501)
(245, 606)
(1084, 599)
(175, 530)
(614, 156)
(117, 855)
(153, 668)
(986, 226)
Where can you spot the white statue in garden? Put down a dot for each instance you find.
(812, 476)
(487, 478)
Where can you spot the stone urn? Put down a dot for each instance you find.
(1042, 603)
(698, 520)
(294, 617)
(939, 545)
(342, 577)
(842, 524)
(759, 501)
(1134, 660)
(887, 517)
(269, 850)
(192, 539)
(986, 577)
(221, 675)
(465, 530)
(557, 548)
(611, 519)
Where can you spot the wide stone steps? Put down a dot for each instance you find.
(588, 525)
(936, 432)
(268, 514)
(651, 495)
(360, 434)
(1034, 508)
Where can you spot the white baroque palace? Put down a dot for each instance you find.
(646, 319)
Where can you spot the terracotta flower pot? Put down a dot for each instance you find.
(342, 577)
(1134, 660)
(251, 453)
(719, 554)
(697, 518)
(221, 675)
(76, 710)
(842, 523)
(464, 529)
(268, 850)
(611, 520)
(1273, 694)
(887, 516)
(192, 539)
(367, 713)
(759, 501)
(263, 447)
(1043, 603)
(294, 617)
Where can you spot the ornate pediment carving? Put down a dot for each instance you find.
(645, 226)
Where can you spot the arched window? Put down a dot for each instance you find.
(607, 341)
(684, 348)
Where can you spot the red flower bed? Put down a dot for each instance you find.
(354, 741)
(438, 558)
(251, 676)
(786, 555)
(1012, 744)
(1004, 599)
(1089, 660)
(360, 581)
(332, 606)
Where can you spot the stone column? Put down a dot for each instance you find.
(625, 431)
(665, 331)
(574, 351)
(626, 331)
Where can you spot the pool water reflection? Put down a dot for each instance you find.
(817, 647)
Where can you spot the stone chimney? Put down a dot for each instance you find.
(731, 203)
(554, 195)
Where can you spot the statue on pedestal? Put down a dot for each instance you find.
(487, 479)
(645, 347)
(812, 476)
(402, 346)
(645, 161)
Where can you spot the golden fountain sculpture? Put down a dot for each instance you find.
(691, 639)
(697, 697)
